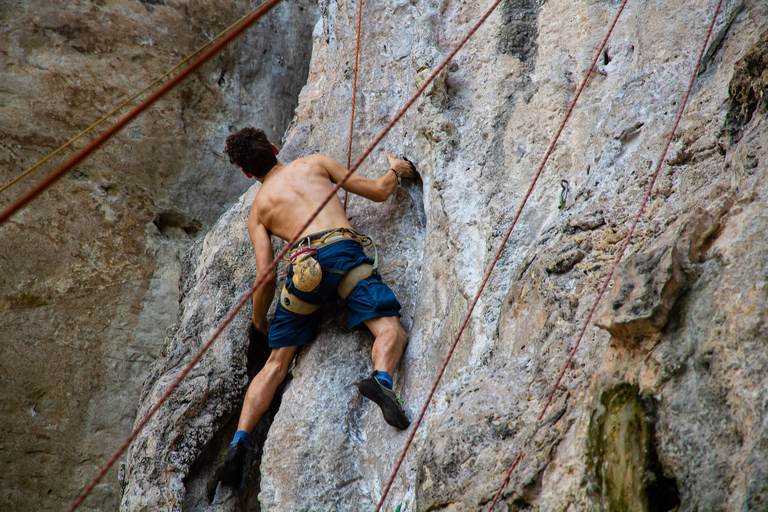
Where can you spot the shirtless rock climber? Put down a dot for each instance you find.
(328, 263)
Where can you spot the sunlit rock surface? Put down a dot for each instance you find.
(668, 413)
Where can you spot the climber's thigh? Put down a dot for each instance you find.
(292, 329)
(371, 298)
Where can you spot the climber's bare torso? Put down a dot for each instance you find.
(291, 193)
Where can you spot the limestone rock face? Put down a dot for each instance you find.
(648, 283)
(676, 418)
(89, 272)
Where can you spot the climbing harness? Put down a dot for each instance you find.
(295, 305)
(307, 272)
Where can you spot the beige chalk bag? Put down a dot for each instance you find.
(307, 273)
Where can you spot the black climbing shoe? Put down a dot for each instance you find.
(231, 471)
(387, 400)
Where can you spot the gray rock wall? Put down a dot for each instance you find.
(89, 272)
(664, 404)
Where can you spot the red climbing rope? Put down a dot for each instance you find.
(69, 165)
(623, 248)
(354, 94)
(497, 256)
(95, 145)
(129, 100)
(242, 302)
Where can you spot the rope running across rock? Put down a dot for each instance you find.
(268, 5)
(496, 258)
(265, 7)
(620, 254)
(130, 116)
(126, 102)
(354, 95)
(244, 300)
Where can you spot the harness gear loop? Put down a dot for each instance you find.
(295, 305)
(307, 272)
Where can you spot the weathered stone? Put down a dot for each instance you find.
(565, 261)
(89, 271)
(476, 136)
(749, 87)
(648, 283)
(585, 223)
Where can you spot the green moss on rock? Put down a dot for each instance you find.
(623, 462)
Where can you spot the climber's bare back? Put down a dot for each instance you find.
(291, 193)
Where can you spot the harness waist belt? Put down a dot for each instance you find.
(326, 238)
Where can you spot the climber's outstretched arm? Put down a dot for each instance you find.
(377, 190)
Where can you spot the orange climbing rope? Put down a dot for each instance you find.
(245, 298)
(119, 124)
(354, 94)
(620, 254)
(126, 102)
(488, 272)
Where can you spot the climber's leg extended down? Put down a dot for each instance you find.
(296, 201)
(257, 401)
(387, 350)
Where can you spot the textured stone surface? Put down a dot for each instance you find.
(648, 283)
(89, 272)
(476, 137)
(622, 457)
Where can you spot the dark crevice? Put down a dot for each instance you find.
(623, 461)
(201, 483)
(748, 89)
(520, 29)
(718, 38)
(150, 4)
(172, 224)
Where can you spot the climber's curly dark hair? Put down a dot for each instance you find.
(250, 150)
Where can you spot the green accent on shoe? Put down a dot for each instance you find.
(232, 470)
(388, 402)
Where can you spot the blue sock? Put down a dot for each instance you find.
(384, 379)
(240, 435)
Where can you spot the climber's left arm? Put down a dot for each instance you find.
(262, 246)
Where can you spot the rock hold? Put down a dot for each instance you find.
(648, 283)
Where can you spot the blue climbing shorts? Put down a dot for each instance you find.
(370, 298)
